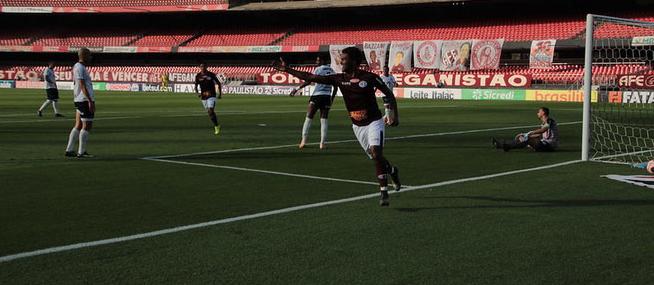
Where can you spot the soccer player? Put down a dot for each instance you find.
(545, 138)
(84, 103)
(207, 81)
(321, 99)
(358, 88)
(388, 79)
(51, 91)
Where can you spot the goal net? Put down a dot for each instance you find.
(619, 117)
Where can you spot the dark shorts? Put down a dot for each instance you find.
(542, 146)
(321, 102)
(84, 112)
(52, 93)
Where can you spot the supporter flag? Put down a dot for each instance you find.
(335, 53)
(400, 57)
(542, 53)
(375, 54)
(455, 55)
(486, 54)
(427, 54)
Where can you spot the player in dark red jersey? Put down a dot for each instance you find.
(207, 81)
(358, 88)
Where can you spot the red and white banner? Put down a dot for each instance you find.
(125, 9)
(99, 76)
(464, 80)
(486, 54)
(427, 54)
(455, 55)
(400, 56)
(636, 81)
(375, 54)
(542, 53)
(426, 80)
(335, 54)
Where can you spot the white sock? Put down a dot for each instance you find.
(54, 107)
(306, 127)
(45, 104)
(83, 137)
(323, 130)
(72, 138)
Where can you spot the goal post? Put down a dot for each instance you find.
(618, 86)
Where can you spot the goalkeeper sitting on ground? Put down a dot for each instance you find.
(545, 138)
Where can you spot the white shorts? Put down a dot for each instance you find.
(209, 103)
(370, 135)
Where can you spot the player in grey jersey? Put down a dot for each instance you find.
(321, 99)
(51, 91)
(545, 138)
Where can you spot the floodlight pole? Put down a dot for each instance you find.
(588, 86)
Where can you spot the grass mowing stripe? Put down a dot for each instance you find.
(352, 140)
(263, 171)
(75, 246)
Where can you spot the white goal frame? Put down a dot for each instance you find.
(588, 75)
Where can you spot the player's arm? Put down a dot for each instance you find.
(85, 92)
(306, 76)
(305, 84)
(334, 91)
(197, 82)
(392, 117)
(537, 133)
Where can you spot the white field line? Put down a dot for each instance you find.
(75, 246)
(351, 140)
(263, 171)
(190, 114)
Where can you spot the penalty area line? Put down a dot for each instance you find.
(96, 243)
(262, 171)
(463, 132)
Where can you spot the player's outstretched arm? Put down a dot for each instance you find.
(334, 91)
(281, 65)
(305, 84)
(392, 117)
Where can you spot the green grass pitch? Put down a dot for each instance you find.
(561, 225)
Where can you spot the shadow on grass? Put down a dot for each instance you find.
(528, 203)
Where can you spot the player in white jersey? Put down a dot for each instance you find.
(51, 91)
(321, 99)
(388, 79)
(84, 103)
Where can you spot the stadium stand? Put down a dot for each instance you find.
(238, 37)
(85, 40)
(510, 31)
(162, 40)
(516, 30)
(106, 3)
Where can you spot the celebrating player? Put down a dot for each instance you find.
(545, 138)
(321, 99)
(208, 81)
(51, 91)
(85, 105)
(358, 88)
